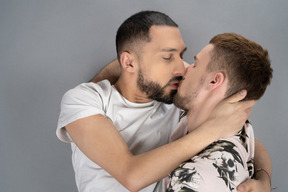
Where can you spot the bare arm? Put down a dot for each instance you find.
(261, 183)
(104, 145)
(262, 160)
(111, 72)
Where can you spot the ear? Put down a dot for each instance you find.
(217, 79)
(127, 61)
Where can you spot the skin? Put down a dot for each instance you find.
(201, 90)
(101, 142)
(200, 93)
(164, 53)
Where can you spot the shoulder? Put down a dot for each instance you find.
(86, 91)
(91, 88)
(82, 101)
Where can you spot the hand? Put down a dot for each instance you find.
(230, 114)
(253, 185)
(111, 72)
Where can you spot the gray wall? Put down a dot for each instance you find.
(48, 47)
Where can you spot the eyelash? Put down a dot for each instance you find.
(170, 57)
(167, 58)
(194, 64)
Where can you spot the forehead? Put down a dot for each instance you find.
(165, 37)
(205, 54)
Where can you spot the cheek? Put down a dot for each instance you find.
(194, 76)
(161, 73)
(186, 85)
(191, 82)
(190, 78)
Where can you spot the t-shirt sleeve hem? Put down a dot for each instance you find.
(61, 132)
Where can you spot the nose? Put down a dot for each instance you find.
(188, 68)
(180, 69)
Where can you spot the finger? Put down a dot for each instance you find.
(248, 111)
(237, 96)
(247, 108)
(248, 104)
(241, 188)
(246, 186)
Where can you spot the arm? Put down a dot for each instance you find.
(263, 161)
(261, 182)
(111, 72)
(104, 145)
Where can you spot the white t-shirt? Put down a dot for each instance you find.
(221, 166)
(144, 126)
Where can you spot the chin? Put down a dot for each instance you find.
(179, 102)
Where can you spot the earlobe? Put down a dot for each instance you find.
(126, 60)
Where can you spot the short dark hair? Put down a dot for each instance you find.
(246, 63)
(136, 28)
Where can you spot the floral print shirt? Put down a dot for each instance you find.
(221, 166)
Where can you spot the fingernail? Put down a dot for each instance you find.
(241, 188)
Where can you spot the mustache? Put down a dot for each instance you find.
(176, 78)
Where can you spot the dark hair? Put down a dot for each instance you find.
(136, 28)
(246, 63)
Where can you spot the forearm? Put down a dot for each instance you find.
(263, 161)
(101, 142)
(157, 164)
(107, 148)
(111, 72)
(160, 162)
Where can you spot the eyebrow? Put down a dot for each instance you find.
(172, 50)
(195, 58)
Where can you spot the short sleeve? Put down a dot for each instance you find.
(84, 100)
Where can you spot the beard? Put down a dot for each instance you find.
(187, 102)
(154, 90)
(182, 101)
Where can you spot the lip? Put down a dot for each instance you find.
(174, 84)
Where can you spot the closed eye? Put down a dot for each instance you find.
(167, 58)
(195, 60)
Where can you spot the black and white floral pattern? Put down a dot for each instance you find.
(225, 159)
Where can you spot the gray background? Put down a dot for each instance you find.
(48, 47)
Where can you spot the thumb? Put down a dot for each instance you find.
(246, 186)
(237, 96)
(241, 188)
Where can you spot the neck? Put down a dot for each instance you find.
(203, 109)
(127, 87)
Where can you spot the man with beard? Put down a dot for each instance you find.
(118, 132)
(228, 64)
